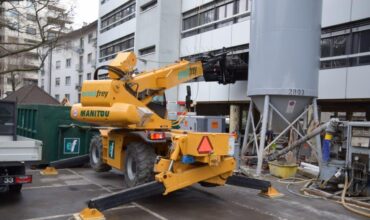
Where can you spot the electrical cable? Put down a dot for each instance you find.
(347, 206)
(297, 181)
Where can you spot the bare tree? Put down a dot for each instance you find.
(33, 29)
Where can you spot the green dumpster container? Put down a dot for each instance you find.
(62, 137)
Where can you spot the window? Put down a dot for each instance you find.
(148, 5)
(68, 62)
(340, 45)
(88, 76)
(68, 80)
(325, 47)
(42, 82)
(57, 64)
(355, 41)
(68, 44)
(57, 81)
(31, 17)
(365, 41)
(30, 30)
(79, 80)
(242, 6)
(81, 42)
(80, 64)
(118, 16)
(108, 51)
(89, 57)
(89, 38)
(67, 96)
(207, 17)
(57, 97)
(147, 50)
(217, 14)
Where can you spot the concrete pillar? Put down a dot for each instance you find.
(234, 118)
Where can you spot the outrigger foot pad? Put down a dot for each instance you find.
(271, 193)
(127, 195)
(89, 214)
(48, 171)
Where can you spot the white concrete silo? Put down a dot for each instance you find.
(284, 62)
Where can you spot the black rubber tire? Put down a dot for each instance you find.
(19, 170)
(139, 164)
(96, 155)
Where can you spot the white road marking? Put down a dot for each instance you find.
(157, 215)
(51, 217)
(71, 214)
(150, 211)
(90, 181)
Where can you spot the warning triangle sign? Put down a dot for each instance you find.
(205, 146)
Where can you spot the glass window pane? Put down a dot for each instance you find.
(355, 42)
(340, 45)
(364, 60)
(221, 12)
(325, 47)
(365, 41)
(243, 6)
(229, 10)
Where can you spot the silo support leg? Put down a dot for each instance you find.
(263, 135)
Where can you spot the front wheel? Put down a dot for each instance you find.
(139, 164)
(96, 155)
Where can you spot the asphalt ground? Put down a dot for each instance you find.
(61, 196)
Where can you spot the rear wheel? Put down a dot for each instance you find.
(96, 155)
(139, 164)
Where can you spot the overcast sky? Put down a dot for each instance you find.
(85, 11)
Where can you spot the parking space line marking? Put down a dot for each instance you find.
(108, 190)
(87, 179)
(71, 214)
(155, 214)
(51, 217)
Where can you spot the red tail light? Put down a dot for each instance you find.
(23, 179)
(157, 135)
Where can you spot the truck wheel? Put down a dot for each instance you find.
(19, 170)
(96, 155)
(139, 164)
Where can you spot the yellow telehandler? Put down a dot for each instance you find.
(136, 138)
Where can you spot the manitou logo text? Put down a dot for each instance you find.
(94, 113)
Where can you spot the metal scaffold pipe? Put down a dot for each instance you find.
(329, 126)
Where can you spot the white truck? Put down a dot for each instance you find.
(14, 151)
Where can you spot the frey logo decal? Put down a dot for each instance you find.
(96, 94)
(111, 149)
(188, 72)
